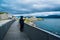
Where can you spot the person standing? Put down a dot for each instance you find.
(21, 21)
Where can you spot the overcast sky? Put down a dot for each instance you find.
(31, 7)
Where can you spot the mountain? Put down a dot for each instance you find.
(50, 16)
(53, 16)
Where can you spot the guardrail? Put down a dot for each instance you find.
(37, 34)
(4, 28)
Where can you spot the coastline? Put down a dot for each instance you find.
(33, 25)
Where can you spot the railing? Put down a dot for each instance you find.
(4, 28)
(35, 33)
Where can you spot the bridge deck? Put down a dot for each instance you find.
(15, 34)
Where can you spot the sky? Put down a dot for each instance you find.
(30, 7)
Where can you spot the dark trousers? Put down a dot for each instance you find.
(21, 28)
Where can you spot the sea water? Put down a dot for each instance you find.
(50, 24)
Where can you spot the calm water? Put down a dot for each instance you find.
(52, 25)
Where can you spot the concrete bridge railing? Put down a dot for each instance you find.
(37, 34)
(4, 28)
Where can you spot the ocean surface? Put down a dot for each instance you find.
(50, 24)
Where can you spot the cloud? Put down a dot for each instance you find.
(38, 6)
(39, 14)
(30, 5)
